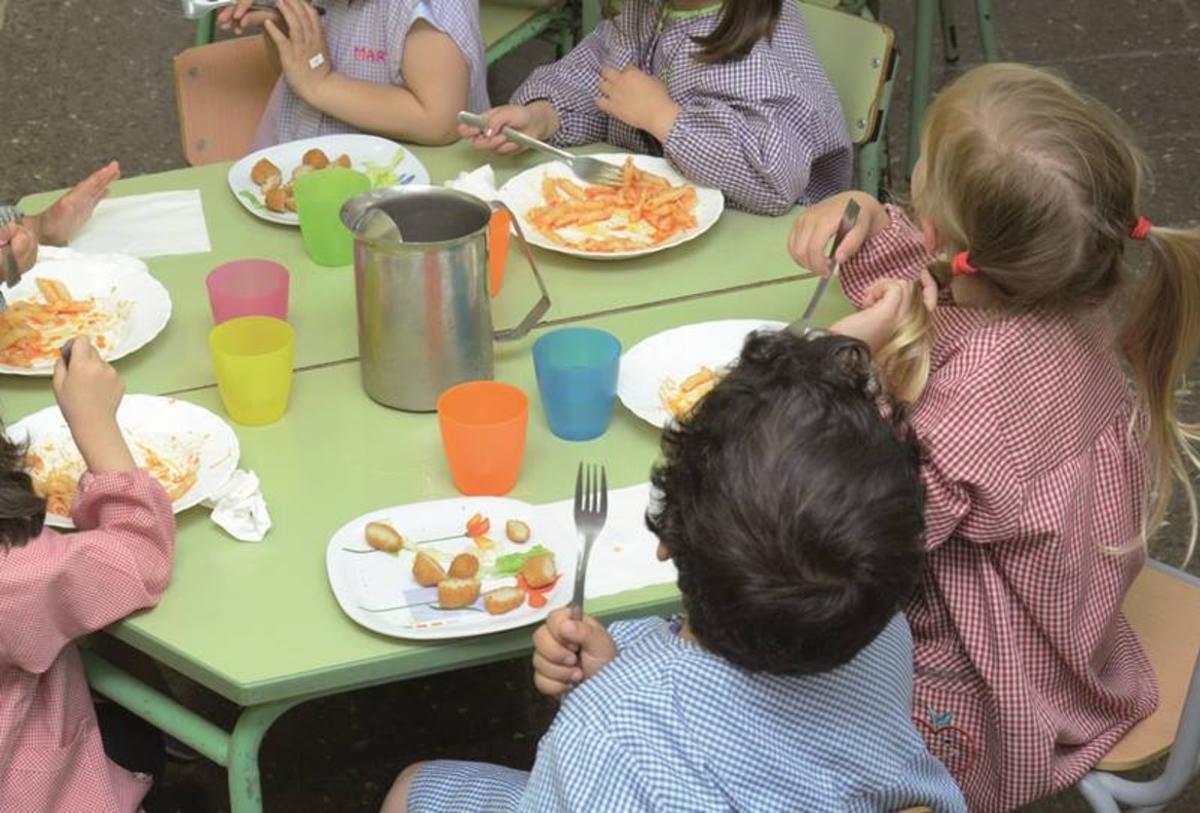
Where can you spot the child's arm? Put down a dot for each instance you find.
(747, 129)
(580, 766)
(884, 244)
(56, 588)
(435, 76)
(572, 84)
(568, 652)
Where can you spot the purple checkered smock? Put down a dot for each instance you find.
(366, 42)
(766, 130)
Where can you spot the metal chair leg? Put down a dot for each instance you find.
(987, 31)
(919, 100)
(948, 14)
(204, 29)
(1097, 795)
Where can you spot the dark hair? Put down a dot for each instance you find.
(791, 502)
(22, 512)
(743, 23)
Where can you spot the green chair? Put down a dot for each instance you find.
(859, 56)
(508, 24)
(923, 48)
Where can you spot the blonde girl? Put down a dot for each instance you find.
(1049, 418)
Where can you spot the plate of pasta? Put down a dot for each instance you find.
(188, 449)
(654, 209)
(664, 376)
(111, 298)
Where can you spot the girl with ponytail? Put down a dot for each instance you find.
(1047, 403)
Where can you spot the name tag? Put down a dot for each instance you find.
(372, 55)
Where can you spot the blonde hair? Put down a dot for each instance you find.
(1042, 184)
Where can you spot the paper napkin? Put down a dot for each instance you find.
(623, 558)
(239, 507)
(153, 225)
(480, 182)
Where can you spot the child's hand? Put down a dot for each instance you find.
(62, 221)
(89, 391)
(537, 119)
(568, 652)
(239, 18)
(885, 307)
(639, 100)
(817, 225)
(303, 53)
(22, 243)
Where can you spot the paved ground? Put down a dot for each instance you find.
(90, 80)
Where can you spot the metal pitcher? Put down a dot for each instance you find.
(424, 313)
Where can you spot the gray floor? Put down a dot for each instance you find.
(90, 80)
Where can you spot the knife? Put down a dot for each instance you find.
(803, 325)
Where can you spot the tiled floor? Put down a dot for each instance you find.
(90, 80)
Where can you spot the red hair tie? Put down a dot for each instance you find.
(960, 265)
(1141, 228)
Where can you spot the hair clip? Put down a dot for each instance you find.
(960, 265)
(1141, 228)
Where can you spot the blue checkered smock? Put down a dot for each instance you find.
(668, 726)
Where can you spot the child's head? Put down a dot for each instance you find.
(743, 23)
(792, 508)
(1042, 187)
(21, 511)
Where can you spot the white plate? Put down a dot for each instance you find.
(366, 583)
(362, 149)
(524, 192)
(674, 355)
(110, 278)
(167, 425)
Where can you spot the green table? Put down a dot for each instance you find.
(740, 250)
(257, 623)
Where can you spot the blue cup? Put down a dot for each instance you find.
(577, 378)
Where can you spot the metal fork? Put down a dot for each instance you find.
(592, 170)
(591, 510)
(803, 325)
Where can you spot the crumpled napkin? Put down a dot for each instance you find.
(239, 507)
(479, 182)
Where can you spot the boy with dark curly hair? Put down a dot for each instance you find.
(791, 504)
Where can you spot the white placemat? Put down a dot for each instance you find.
(153, 225)
(623, 557)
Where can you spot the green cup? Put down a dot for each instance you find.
(319, 199)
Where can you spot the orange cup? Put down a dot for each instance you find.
(483, 432)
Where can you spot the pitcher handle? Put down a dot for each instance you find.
(543, 304)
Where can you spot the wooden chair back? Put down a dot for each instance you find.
(221, 91)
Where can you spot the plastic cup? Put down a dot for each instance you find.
(483, 432)
(577, 378)
(253, 358)
(248, 288)
(319, 199)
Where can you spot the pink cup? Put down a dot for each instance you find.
(248, 288)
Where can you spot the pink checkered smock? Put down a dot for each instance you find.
(366, 42)
(52, 591)
(767, 130)
(1026, 670)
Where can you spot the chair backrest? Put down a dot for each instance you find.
(221, 91)
(858, 56)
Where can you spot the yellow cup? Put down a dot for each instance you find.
(253, 358)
